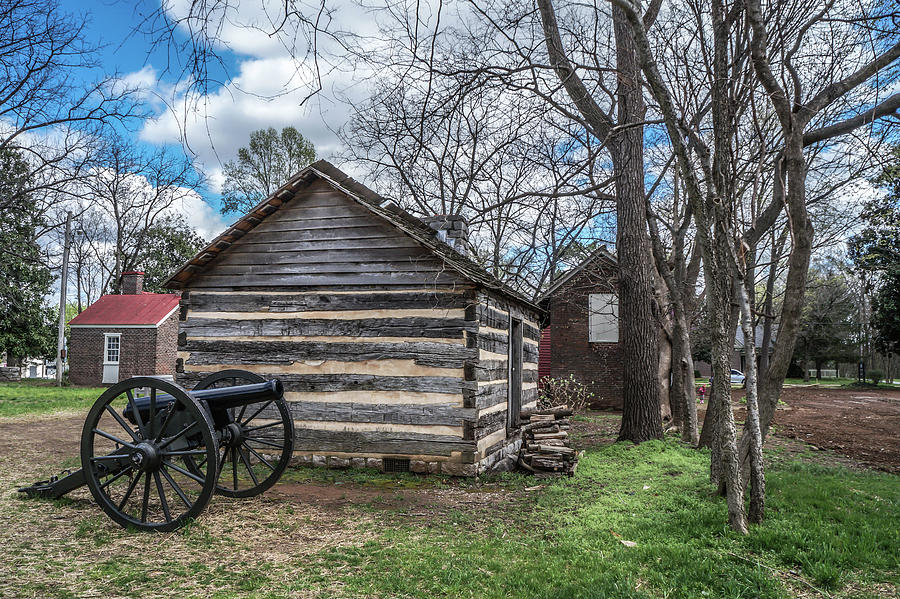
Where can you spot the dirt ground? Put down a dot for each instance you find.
(861, 425)
(55, 438)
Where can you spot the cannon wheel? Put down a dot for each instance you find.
(270, 445)
(130, 467)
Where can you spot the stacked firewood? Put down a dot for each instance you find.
(545, 442)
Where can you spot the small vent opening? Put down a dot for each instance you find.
(395, 465)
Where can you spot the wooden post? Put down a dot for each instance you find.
(61, 338)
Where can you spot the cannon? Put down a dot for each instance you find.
(153, 454)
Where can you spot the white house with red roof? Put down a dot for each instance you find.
(120, 336)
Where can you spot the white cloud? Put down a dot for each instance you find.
(271, 88)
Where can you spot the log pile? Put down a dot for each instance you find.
(545, 442)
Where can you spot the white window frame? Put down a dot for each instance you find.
(603, 318)
(106, 338)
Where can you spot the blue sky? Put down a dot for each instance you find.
(261, 89)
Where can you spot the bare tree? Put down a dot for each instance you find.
(48, 113)
(133, 190)
(859, 57)
(524, 180)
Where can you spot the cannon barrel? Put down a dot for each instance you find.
(217, 398)
(239, 395)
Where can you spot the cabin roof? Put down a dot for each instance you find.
(146, 309)
(378, 205)
(601, 253)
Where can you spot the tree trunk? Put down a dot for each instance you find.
(640, 339)
(795, 290)
(757, 475)
(667, 408)
(683, 380)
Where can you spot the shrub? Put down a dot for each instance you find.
(696, 374)
(558, 391)
(875, 376)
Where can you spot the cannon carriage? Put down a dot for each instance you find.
(153, 454)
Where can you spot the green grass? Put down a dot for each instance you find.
(833, 526)
(43, 397)
(506, 535)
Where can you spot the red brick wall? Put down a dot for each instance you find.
(596, 365)
(167, 345)
(140, 354)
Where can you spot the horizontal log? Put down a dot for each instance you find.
(440, 355)
(210, 280)
(491, 317)
(304, 208)
(249, 243)
(309, 302)
(550, 426)
(290, 222)
(552, 449)
(369, 269)
(490, 423)
(557, 412)
(303, 383)
(373, 327)
(299, 233)
(495, 343)
(559, 435)
(546, 463)
(315, 440)
(361, 382)
(248, 256)
(446, 414)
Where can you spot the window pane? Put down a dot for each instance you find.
(603, 320)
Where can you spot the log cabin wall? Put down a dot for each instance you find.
(495, 439)
(369, 332)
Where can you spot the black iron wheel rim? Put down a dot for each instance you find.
(235, 464)
(188, 493)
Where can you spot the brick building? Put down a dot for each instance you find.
(120, 336)
(583, 339)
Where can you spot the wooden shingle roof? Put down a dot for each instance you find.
(375, 203)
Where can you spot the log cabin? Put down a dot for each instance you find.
(397, 351)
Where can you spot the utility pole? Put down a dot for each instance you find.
(61, 338)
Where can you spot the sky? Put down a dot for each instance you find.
(261, 88)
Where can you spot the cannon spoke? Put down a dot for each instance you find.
(262, 426)
(122, 422)
(114, 438)
(162, 429)
(146, 497)
(185, 452)
(266, 442)
(162, 497)
(111, 456)
(234, 467)
(180, 470)
(176, 487)
(178, 435)
(123, 472)
(259, 457)
(134, 482)
(249, 467)
(150, 435)
(258, 412)
(137, 414)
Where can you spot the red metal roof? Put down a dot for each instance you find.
(128, 310)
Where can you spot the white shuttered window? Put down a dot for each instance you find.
(603, 319)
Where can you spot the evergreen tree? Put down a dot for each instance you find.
(168, 245)
(26, 322)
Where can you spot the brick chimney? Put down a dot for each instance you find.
(132, 282)
(452, 229)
